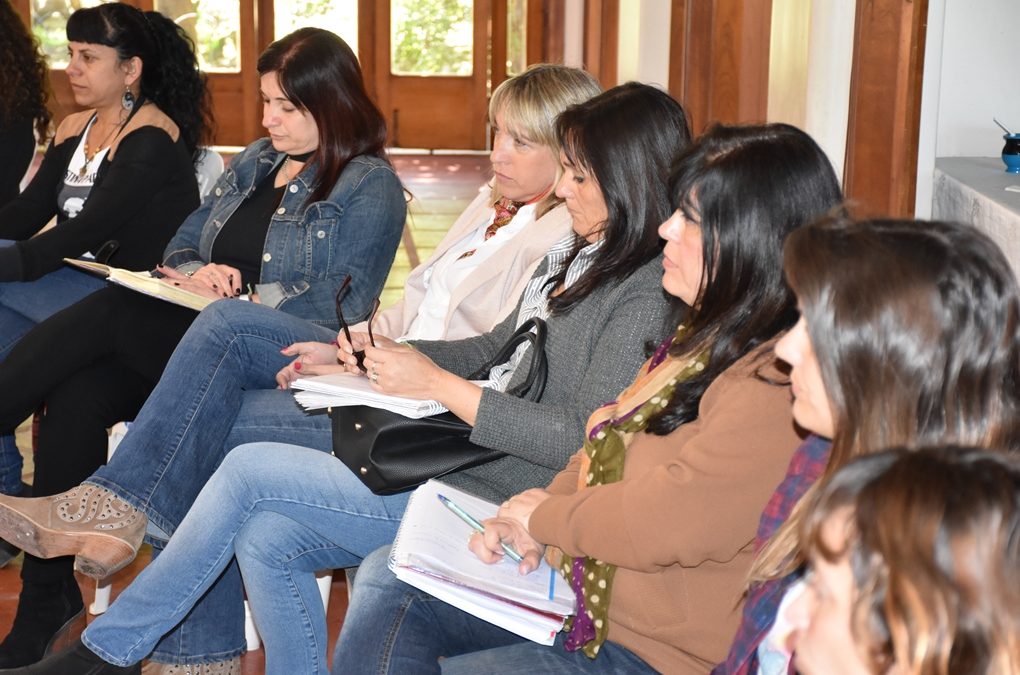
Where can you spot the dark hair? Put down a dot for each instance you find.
(630, 133)
(320, 74)
(933, 541)
(170, 75)
(916, 329)
(747, 188)
(24, 78)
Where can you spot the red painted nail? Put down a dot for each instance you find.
(297, 366)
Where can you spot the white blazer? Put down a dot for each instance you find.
(489, 293)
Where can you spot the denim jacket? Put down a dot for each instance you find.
(308, 248)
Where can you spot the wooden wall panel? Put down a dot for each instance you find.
(885, 103)
(719, 56)
(601, 36)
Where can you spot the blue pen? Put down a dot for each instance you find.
(467, 518)
(552, 581)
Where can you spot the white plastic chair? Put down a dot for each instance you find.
(207, 170)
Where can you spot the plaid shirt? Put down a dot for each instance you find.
(763, 599)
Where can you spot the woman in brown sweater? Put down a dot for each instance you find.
(652, 521)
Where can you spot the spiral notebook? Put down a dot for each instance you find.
(430, 553)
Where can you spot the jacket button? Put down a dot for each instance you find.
(293, 188)
(281, 211)
(217, 224)
(267, 257)
(320, 234)
(219, 192)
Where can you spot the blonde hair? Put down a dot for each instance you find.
(529, 104)
(932, 544)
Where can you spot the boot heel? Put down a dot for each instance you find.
(67, 634)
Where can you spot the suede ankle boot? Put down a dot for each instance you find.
(79, 660)
(49, 616)
(89, 522)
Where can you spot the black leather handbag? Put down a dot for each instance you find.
(391, 453)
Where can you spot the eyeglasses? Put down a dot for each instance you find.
(360, 354)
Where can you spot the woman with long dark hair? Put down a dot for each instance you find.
(289, 219)
(595, 339)
(121, 170)
(907, 337)
(24, 117)
(651, 522)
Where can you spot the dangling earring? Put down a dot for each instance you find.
(128, 100)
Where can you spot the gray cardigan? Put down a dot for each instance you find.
(593, 352)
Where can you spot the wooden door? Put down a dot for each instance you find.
(431, 99)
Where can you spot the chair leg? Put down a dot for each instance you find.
(102, 600)
(251, 632)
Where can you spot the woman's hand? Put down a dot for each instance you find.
(345, 351)
(223, 281)
(172, 277)
(519, 508)
(400, 370)
(313, 358)
(488, 545)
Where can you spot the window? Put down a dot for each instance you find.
(431, 37)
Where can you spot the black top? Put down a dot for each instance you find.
(242, 239)
(18, 142)
(140, 199)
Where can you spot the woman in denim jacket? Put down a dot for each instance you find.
(290, 218)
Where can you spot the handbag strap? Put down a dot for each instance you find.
(533, 331)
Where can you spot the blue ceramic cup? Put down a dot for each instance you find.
(1011, 153)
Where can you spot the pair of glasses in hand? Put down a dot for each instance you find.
(359, 354)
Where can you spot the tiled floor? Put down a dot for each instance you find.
(441, 186)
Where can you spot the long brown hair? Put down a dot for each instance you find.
(320, 74)
(933, 540)
(916, 327)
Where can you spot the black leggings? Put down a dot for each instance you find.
(92, 365)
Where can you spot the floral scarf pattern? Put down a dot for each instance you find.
(609, 432)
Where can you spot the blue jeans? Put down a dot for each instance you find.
(284, 512)
(23, 304)
(217, 391)
(392, 627)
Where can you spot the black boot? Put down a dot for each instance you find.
(50, 615)
(77, 660)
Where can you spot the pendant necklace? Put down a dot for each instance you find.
(88, 159)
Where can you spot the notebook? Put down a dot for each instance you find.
(143, 282)
(430, 553)
(343, 389)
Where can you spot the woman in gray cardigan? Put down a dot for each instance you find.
(273, 505)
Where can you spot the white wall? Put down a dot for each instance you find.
(971, 74)
(788, 61)
(643, 42)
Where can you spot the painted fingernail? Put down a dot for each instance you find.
(176, 284)
(297, 366)
(237, 292)
(225, 295)
(215, 286)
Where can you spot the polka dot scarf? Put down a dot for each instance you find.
(609, 432)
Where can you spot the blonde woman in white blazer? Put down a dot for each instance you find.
(485, 297)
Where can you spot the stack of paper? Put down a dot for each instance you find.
(343, 389)
(430, 553)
